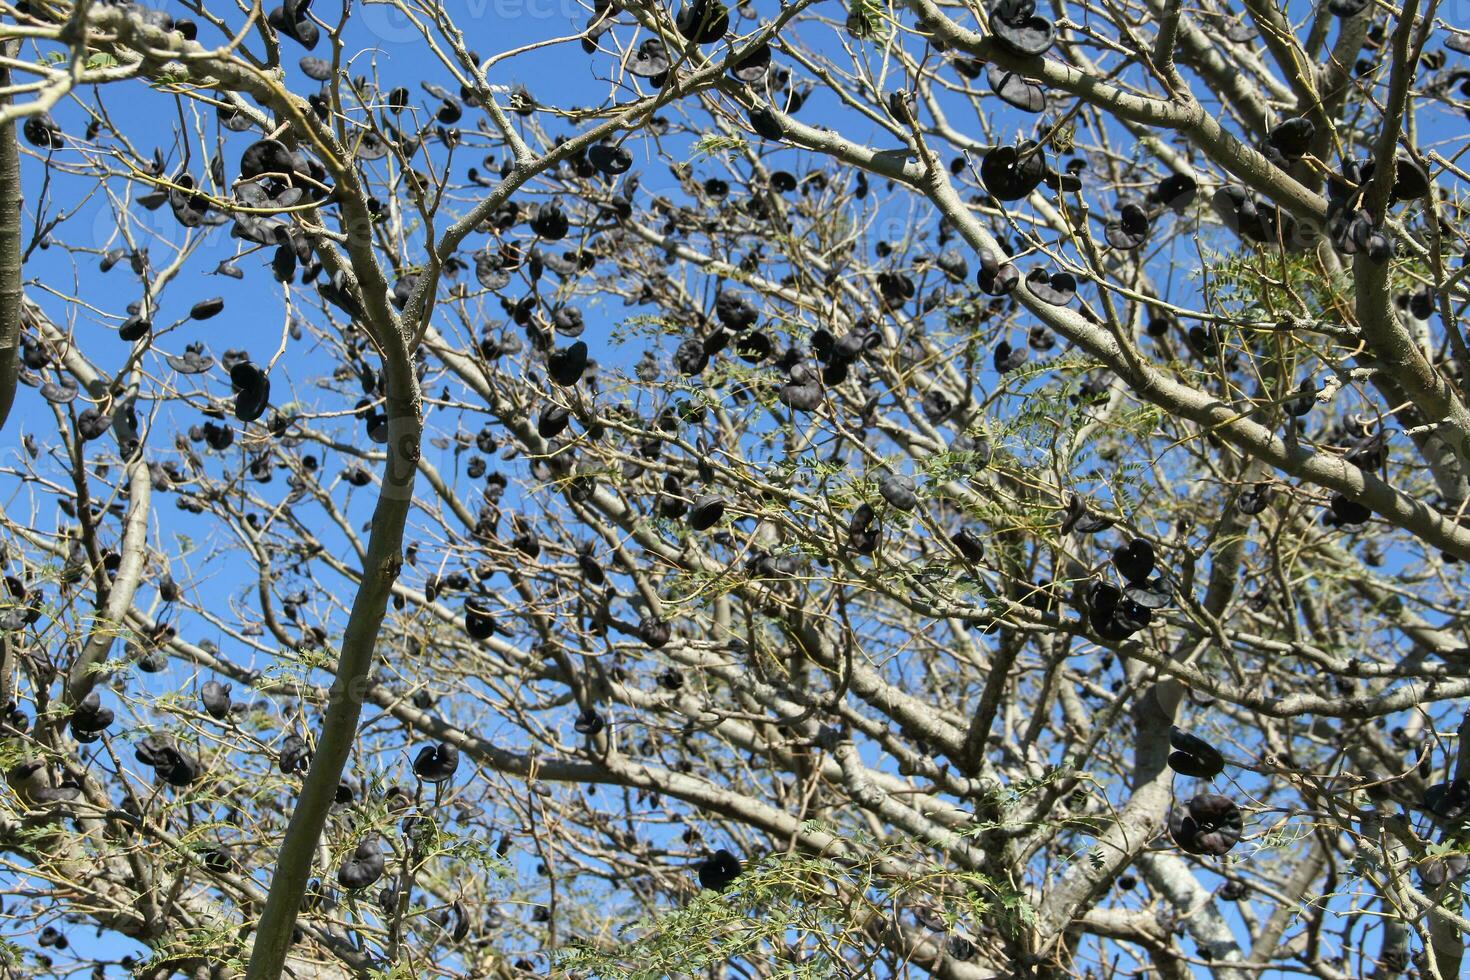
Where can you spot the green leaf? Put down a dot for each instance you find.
(714, 144)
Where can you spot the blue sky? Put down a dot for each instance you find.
(252, 321)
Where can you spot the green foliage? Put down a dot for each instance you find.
(645, 325)
(1264, 284)
(802, 916)
(297, 663)
(402, 970)
(174, 72)
(716, 144)
(207, 940)
(868, 19)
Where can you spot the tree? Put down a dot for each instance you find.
(728, 491)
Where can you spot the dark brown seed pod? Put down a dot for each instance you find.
(719, 871)
(899, 490)
(252, 391)
(478, 622)
(566, 365)
(1193, 756)
(1135, 560)
(436, 763)
(1016, 26)
(363, 867)
(703, 21)
(1206, 824)
(706, 512)
(1010, 173)
(654, 632)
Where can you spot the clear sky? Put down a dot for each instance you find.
(560, 74)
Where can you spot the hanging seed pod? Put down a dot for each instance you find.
(436, 763)
(1193, 756)
(364, 867)
(1206, 824)
(719, 871)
